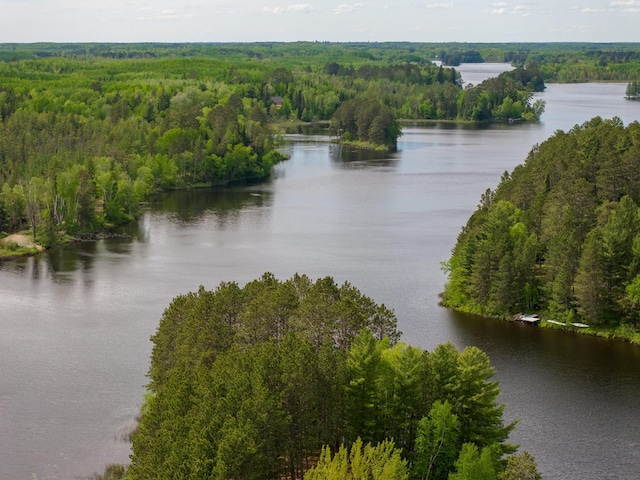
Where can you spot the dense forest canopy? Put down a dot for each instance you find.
(267, 380)
(560, 61)
(560, 234)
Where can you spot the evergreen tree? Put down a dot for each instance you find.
(437, 443)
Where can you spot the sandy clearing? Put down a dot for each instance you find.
(22, 240)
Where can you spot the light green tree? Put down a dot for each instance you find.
(476, 464)
(437, 443)
(382, 462)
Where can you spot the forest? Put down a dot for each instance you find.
(88, 132)
(559, 235)
(285, 379)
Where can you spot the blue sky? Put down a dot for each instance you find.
(276, 20)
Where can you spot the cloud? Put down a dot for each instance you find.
(521, 10)
(300, 7)
(439, 5)
(296, 8)
(502, 8)
(626, 6)
(147, 13)
(344, 8)
(626, 3)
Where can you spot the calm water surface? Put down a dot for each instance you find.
(75, 323)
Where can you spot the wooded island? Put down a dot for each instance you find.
(279, 379)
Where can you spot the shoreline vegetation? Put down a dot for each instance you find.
(623, 333)
(559, 236)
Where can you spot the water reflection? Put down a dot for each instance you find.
(350, 158)
(192, 206)
(307, 129)
(68, 259)
(63, 263)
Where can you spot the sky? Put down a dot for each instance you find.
(319, 20)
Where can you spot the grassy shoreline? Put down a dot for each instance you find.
(18, 245)
(364, 145)
(20, 252)
(624, 333)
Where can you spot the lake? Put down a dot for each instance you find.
(75, 323)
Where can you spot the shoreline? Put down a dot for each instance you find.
(20, 245)
(620, 333)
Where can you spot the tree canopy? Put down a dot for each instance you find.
(560, 234)
(262, 380)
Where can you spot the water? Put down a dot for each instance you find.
(75, 323)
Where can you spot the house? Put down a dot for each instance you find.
(277, 101)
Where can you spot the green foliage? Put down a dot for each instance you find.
(437, 443)
(111, 472)
(365, 119)
(251, 382)
(560, 234)
(520, 467)
(382, 462)
(477, 464)
(78, 154)
(464, 381)
(364, 368)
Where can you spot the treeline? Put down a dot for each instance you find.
(558, 62)
(252, 382)
(560, 234)
(507, 97)
(410, 91)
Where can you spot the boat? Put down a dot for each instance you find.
(532, 319)
(555, 322)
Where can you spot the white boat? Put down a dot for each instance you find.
(533, 319)
(580, 325)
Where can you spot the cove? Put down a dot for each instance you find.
(76, 322)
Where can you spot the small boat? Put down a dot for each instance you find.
(580, 325)
(533, 319)
(555, 322)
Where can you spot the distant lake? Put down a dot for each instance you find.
(75, 323)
